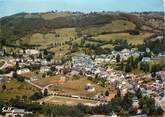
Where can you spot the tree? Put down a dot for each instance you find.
(147, 105)
(45, 52)
(118, 58)
(45, 92)
(118, 93)
(128, 68)
(107, 93)
(36, 96)
(139, 93)
(3, 87)
(144, 66)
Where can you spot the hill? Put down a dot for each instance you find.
(39, 28)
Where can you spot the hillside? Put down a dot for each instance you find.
(42, 29)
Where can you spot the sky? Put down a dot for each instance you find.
(10, 7)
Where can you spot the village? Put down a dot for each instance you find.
(97, 81)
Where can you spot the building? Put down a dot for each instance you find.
(146, 59)
(23, 71)
(135, 102)
(45, 69)
(31, 52)
(89, 87)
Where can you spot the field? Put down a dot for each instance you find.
(70, 86)
(15, 88)
(67, 101)
(77, 87)
(56, 36)
(132, 39)
(115, 26)
(46, 81)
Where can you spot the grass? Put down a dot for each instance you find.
(47, 80)
(66, 101)
(77, 87)
(58, 36)
(15, 88)
(132, 39)
(71, 86)
(115, 26)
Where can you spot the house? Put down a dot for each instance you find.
(74, 73)
(44, 69)
(89, 87)
(33, 78)
(146, 59)
(162, 54)
(23, 71)
(82, 62)
(135, 102)
(31, 52)
(148, 50)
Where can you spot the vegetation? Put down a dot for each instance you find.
(120, 105)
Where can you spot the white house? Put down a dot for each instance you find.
(44, 69)
(89, 87)
(31, 52)
(23, 71)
